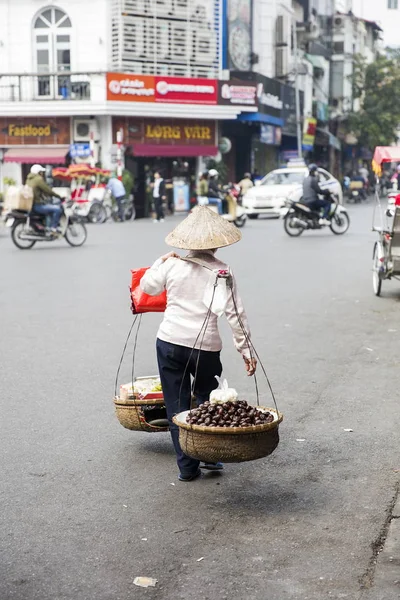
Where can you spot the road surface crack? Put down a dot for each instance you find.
(367, 578)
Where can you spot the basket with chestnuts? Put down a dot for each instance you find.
(228, 431)
(228, 414)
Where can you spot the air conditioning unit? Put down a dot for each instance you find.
(313, 30)
(338, 23)
(281, 62)
(282, 31)
(83, 128)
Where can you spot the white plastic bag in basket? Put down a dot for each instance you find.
(223, 393)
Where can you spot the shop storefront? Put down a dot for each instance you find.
(169, 124)
(258, 137)
(25, 141)
(237, 92)
(171, 146)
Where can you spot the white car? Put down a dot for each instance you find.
(269, 196)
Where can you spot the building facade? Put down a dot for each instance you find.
(72, 72)
(386, 13)
(183, 81)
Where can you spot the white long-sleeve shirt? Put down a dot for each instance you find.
(186, 312)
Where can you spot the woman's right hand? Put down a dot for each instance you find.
(250, 365)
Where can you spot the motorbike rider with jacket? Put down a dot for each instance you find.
(213, 190)
(311, 193)
(41, 194)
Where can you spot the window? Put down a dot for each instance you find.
(52, 41)
(337, 79)
(283, 178)
(393, 4)
(338, 47)
(324, 176)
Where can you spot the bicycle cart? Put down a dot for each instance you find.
(386, 254)
(88, 190)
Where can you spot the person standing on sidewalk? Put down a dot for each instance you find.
(182, 353)
(117, 189)
(159, 197)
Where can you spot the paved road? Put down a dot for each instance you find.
(78, 492)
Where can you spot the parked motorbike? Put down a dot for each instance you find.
(29, 228)
(357, 192)
(300, 218)
(232, 210)
(128, 209)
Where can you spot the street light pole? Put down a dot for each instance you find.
(297, 90)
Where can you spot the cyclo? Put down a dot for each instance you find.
(87, 190)
(386, 254)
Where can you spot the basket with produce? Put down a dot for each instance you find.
(140, 406)
(226, 429)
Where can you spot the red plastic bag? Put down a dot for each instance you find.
(141, 302)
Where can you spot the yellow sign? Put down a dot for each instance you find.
(163, 132)
(178, 132)
(29, 130)
(309, 132)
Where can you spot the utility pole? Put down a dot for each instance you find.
(297, 90)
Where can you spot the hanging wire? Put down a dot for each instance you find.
(251, 347)
(203, 330)
(123, 354)
(133, 371)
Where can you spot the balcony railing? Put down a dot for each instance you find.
(46, 86)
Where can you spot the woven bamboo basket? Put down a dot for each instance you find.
(228, 444)
(137, 414)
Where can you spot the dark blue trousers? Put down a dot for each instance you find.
(172, 361)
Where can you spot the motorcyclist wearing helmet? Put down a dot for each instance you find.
(42, 193)
(311, 193)
(214, 196)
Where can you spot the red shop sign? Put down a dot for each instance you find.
(186, 91)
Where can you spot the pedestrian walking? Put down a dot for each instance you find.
(117, 189)
(159, 196)
(181, 352)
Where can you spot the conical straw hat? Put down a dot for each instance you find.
(203, 229)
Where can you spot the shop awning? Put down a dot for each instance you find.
(260, 117)
(318, 62)
(30, 156)
(175, 150)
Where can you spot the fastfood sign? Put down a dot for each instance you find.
(147, 88)
(16, 130)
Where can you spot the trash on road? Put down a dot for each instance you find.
(348, 430)
(145, 582)
(300, 440)
(369, 349)
(144, 539)
(200, 559)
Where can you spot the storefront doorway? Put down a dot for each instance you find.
(172, 170)
(170, 146)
